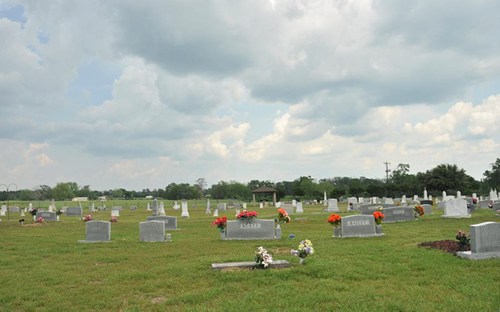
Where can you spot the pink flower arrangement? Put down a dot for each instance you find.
(87, 218)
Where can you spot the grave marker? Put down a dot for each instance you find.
(358, 226)
(250, 229)
(152, 231)
(484, 240)
(97, 231)
(170, 222)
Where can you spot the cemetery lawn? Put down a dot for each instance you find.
(45, 268)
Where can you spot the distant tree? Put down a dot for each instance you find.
(201, 184)
(492, 177)
(449, 178)
(65, 190)
(45, 192)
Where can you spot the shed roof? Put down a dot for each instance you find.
(264, 189)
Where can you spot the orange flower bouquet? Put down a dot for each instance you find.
(419, 210)
(335, 219)
(379, 216)
(283, 216)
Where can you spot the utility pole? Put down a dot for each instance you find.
(387, 170)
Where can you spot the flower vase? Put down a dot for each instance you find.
(278, 231)
(336, 231)
(223, 235)
(302, 260)
(57, 217)
(34, 217)
(378, 228)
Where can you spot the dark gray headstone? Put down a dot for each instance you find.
(170, 222)
(98, 231)
(152, 231)
(47, 215)
(74, 211)
(250, 229)
(358, 226)
(396, 214)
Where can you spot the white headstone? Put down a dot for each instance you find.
(332, 205)
(456, 208)
(208, 211)
(294, 203)
(261, 205)
(299, 208)
(425, 194)
(184, 206)
(216, 212)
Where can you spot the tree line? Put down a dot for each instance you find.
(444, 177)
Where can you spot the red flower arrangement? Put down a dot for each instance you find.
(334, 219)
(379, 216)
(283, 216)
(244, 215)
(220, 223)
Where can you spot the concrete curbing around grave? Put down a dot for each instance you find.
(478, 255)
(277, 264)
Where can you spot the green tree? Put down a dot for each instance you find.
(492, 177)
(449, 178)
(65, 190)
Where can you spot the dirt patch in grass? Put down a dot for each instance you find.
(449, 246)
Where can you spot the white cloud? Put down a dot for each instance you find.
(245, 90)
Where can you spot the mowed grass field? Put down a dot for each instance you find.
(45, 268)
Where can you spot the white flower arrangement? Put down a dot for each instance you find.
(262, 257)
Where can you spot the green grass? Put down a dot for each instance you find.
(44, 268)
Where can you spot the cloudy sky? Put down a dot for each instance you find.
(140, 94)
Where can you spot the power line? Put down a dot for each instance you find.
(387, 170)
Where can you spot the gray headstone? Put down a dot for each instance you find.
(496, 205)
(456, 208)
(250, 229)
(221, 206)
(483, 203)
(427, 209)
(484, 241)
(74, 211)
(14, 209)
(98, 231)
(288, 208)
(396, 214)
(155, 207)
(358, 226)
(169, 221)
(47, 215)
(152, 231)
(332, 205)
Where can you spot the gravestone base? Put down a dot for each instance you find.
(478, 255)
(277, 264)
(92, 241)
(465, 216)
(371, 235)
